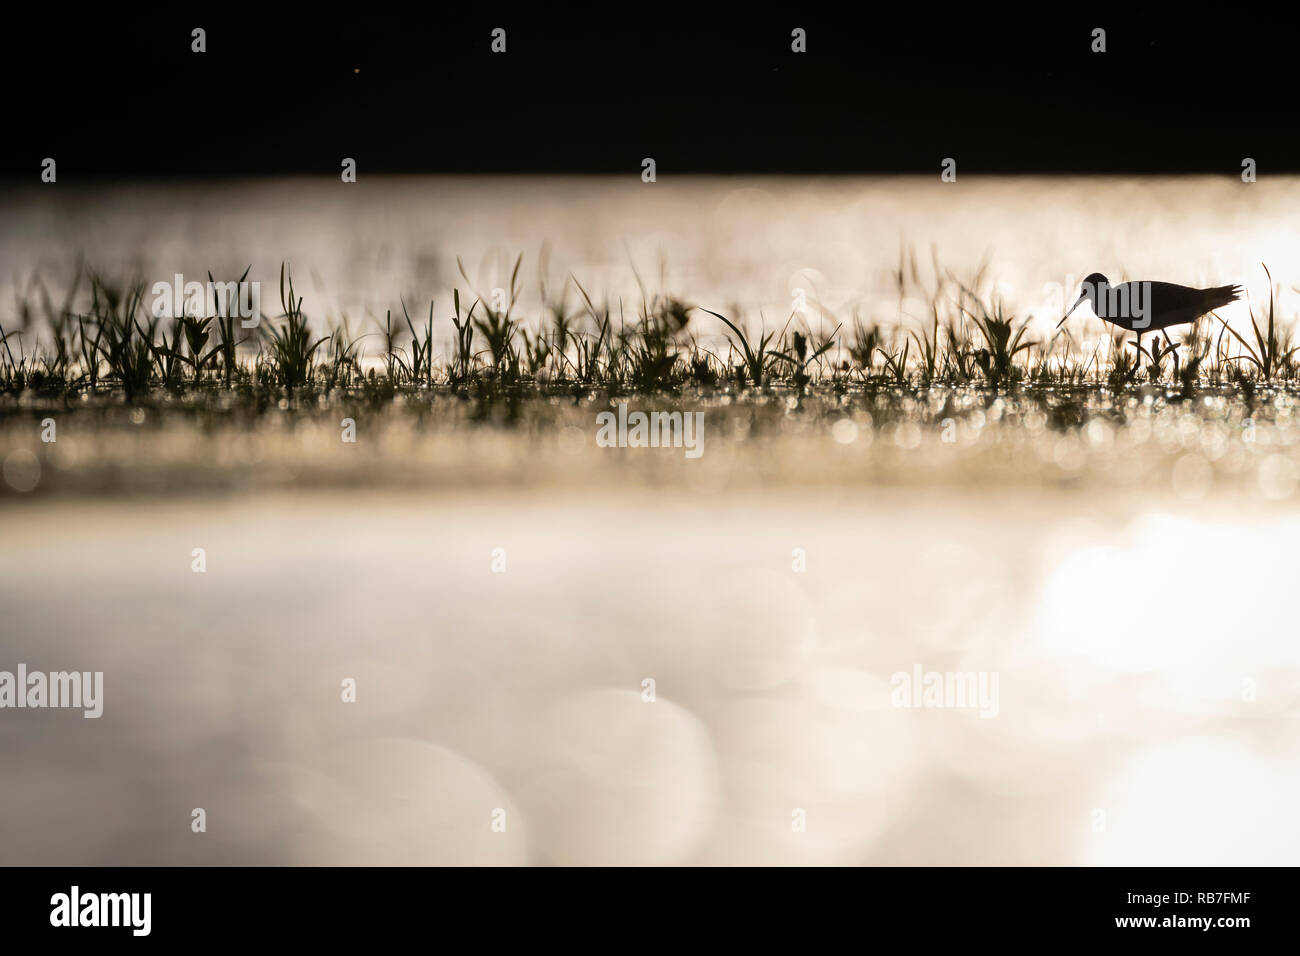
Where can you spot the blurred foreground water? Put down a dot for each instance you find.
(1147, 710)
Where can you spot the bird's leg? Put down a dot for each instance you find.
(1174, 349)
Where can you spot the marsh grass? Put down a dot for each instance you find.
(291, 346)
(497, 356)
(756, 359)
(1272, 354)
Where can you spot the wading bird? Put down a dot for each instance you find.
(1149, 306)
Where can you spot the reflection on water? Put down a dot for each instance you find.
(1149, 440)
(1149, 679)
(752, 242)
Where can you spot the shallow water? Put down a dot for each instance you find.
(1147, 441)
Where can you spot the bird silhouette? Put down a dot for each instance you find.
(1149, 306)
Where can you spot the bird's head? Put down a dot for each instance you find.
(1090, 290)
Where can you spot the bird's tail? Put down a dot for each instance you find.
(1219, 297)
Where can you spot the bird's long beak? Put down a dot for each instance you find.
(1082, 296)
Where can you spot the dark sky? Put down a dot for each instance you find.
(118, 93)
